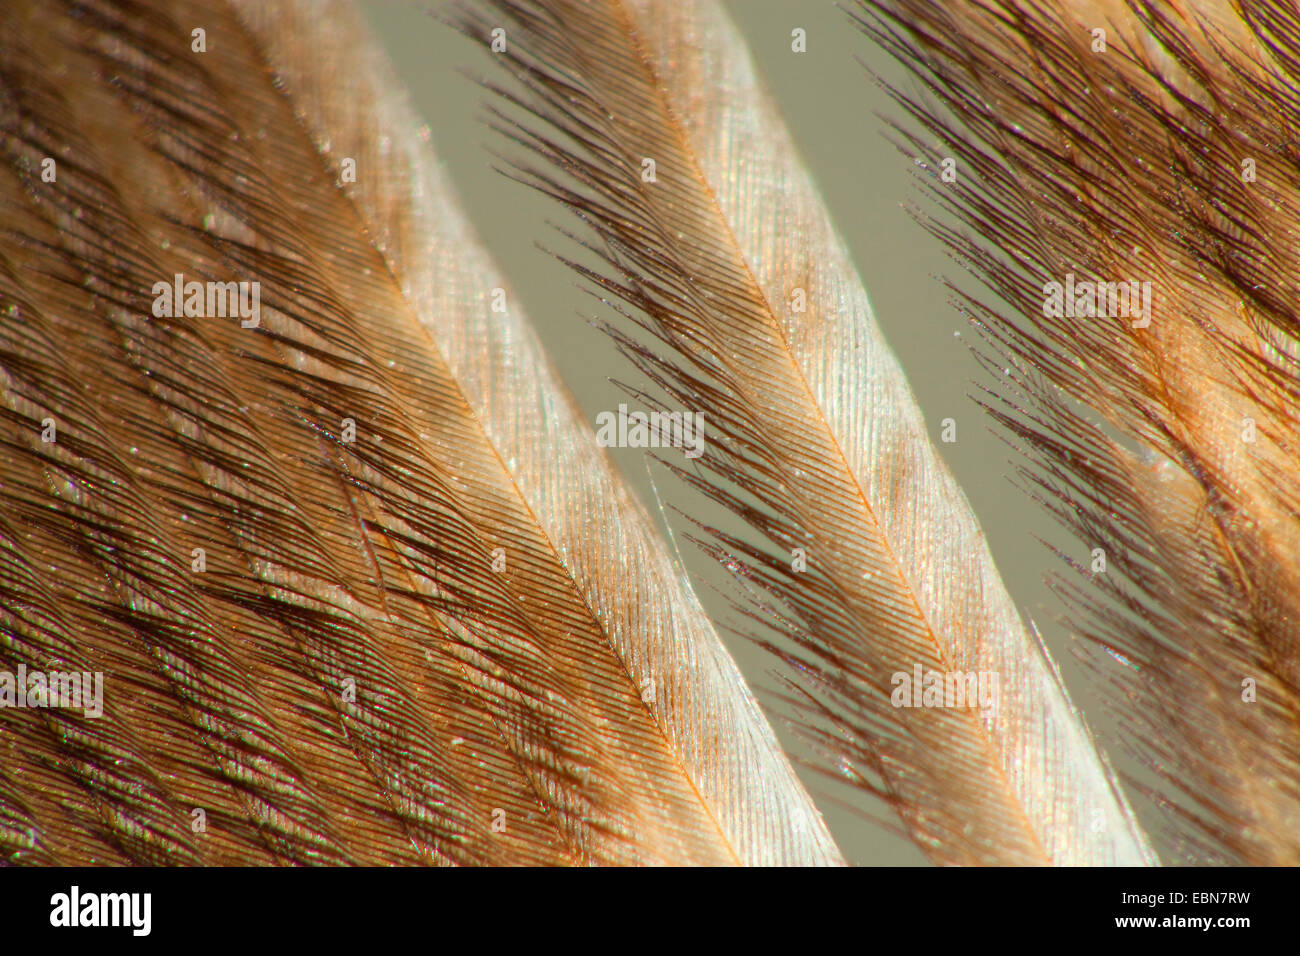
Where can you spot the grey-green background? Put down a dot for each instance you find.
(830, 102)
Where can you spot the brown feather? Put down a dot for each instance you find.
(350, 679)
(1170, 446)
(815, 440)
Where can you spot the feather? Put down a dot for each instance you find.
(1145, 143)
(655, 133)
(361, 584)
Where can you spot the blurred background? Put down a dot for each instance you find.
(834, 109)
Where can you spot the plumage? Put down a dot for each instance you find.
(346, 672)
(1145, 142)
(284, 461)
(815, 439)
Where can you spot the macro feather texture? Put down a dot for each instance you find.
(365, 589)
(1128, 143)
(815, 439)
(308, 634)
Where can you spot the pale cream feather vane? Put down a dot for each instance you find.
(655, 132)
(1153, 145)
(361, 585)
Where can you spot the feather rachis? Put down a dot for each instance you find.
(1144, 149)
(733, 354)
(368, 563)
